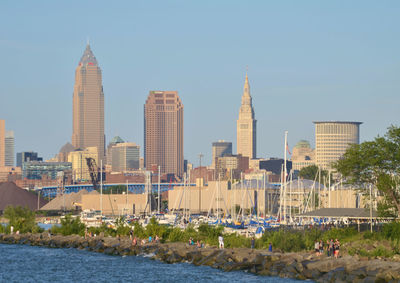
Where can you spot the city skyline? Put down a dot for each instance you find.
(303, 63)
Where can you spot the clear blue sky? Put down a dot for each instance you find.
(308, 60)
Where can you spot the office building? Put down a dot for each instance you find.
(2, 143)
(78, 159)
(65, 150)
(88, 105)
(27, 156)
(303, 155)
(219, 149)
(125, 156)
(230, 166)
(332, 138)
(37, 170)
(275, 165)
(114, 141)
(163, 132)
(246, 125)
(9, 149)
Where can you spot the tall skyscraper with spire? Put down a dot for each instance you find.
(246, 125)
(88, 105)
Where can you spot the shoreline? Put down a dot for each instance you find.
(300, 266)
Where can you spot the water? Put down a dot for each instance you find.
(20, 263)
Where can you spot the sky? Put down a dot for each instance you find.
(307, 61)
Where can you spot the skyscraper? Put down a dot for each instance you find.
(88, 105)
(332, 139)
(246, 125)
(163, 132)
(125, 156)
(9, 149)
(219, 149)
(2, 143)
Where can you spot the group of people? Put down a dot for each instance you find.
(88, 234)
(198, 243)
(136, 241)
(332, 248)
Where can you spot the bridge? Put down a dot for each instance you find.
(136, 188)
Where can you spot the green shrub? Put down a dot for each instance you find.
(22, 219)
(69, 226)
(287, 241)
(391, 231)
(209, 233)
(236, 241)
(176, 235)
(138, 230)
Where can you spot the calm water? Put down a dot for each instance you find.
(20, 263)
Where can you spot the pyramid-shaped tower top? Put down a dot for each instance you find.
(246, 88)
(88, 57)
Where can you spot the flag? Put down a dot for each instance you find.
(287, 148)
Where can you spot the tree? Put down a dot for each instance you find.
(21, 218)
(310, 172)
(376, 163)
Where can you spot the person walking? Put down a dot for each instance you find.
(253, 242)
(270, 247)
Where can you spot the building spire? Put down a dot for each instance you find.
(88, 57)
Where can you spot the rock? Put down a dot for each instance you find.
(174, 258)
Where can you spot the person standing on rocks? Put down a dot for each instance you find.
(331, 247)
(321, 247)
(327, 249)
(221, 241)
(270, 247)
(337, 246)
(316, 248)
(253, 242)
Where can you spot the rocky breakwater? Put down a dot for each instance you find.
(292, 265)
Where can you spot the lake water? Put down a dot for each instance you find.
(21, 263)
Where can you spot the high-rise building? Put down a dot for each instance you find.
(332, 139)
(114, 141)
(27, 156)
(125, 156)
(163, 132)
(303, 155)
(9, 149)
(80, 170)
(246, 125)
(219, 149)
(2, 143)
(88, 105)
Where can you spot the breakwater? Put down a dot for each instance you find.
(290, 265)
